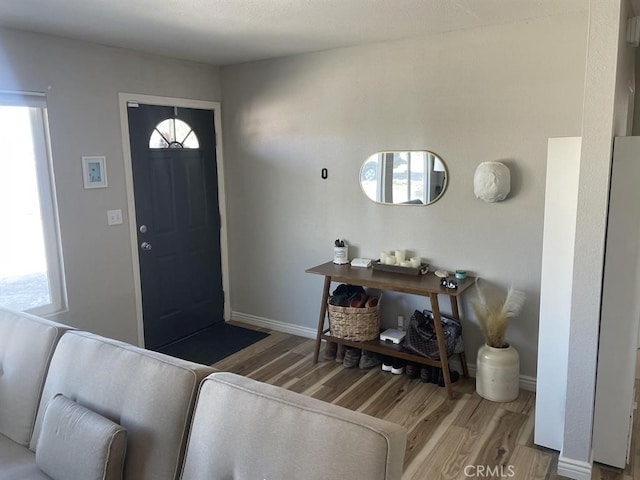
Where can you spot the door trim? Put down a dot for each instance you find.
(123, 99)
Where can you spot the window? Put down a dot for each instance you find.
(408, 176)
(417, 177)
(30, 259)
(173, 133)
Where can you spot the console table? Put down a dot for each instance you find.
(427, 285)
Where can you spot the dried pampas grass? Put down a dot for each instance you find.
(494, 316)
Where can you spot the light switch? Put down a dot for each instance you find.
(114, 217)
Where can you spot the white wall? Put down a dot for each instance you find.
(608, 76)
(495, 93)
(82, 82)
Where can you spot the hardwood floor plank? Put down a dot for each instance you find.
(529, 463)
(525, 436)
(304, 368)
(338, 384)
(315, 378)
(305, 348)
(443, 461)
(368, 387)
(480, 428)
(275, 368)
(247, 364)
(523, 404)
(256, 349)
(395, 390)
(345, 378)
(501, 443)
(427, 432)
(476, 414)
(415, 404)
(291, 372)
(602, 472)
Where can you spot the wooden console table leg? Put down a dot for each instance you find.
(444, 361)
(456, 314)
(323, 313)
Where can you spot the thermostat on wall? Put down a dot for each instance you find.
(393, 335)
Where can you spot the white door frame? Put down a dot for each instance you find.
(123, 100)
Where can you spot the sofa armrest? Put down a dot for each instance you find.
(27, 344)
(247, 429)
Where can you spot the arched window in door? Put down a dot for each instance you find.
(173, 133)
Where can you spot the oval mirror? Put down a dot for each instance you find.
(404, 178)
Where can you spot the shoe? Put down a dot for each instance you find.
(340, 300)
(453, 376)
(358, 300)
(340, 353)
(368, 360)
(412, 370)
(330, 351)
(371, 302)
(397, 367)
(387, 364)
(436, 374)
(351, 357)
(425, 374)
(349, 290)
(343, 293)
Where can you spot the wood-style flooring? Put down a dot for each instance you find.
(468, 437)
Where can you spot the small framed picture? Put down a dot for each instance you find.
(94, 172)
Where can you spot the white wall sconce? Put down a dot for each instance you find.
(492, 182)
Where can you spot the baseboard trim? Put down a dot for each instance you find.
(526, 382)
(273, 325)
(576, 469)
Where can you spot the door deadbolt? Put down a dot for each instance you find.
(143, 229)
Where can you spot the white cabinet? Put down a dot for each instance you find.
(617, 348)
(620, 312)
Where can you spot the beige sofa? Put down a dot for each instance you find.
(74, 405)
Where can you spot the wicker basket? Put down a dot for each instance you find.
(356, 324)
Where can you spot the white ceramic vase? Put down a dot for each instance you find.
(498, 373)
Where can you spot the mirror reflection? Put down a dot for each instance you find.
(409, 177)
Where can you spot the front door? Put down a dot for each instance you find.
(175, 181)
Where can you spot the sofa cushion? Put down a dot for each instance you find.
(78, 444)
(26, 345)
(246, 429)
(150, 394)
(18, 462)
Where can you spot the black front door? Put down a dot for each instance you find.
(178, 221)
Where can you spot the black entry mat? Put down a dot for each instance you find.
(213, 343)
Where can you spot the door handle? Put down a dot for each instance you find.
(145, 246)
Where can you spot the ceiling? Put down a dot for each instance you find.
(223, 32)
